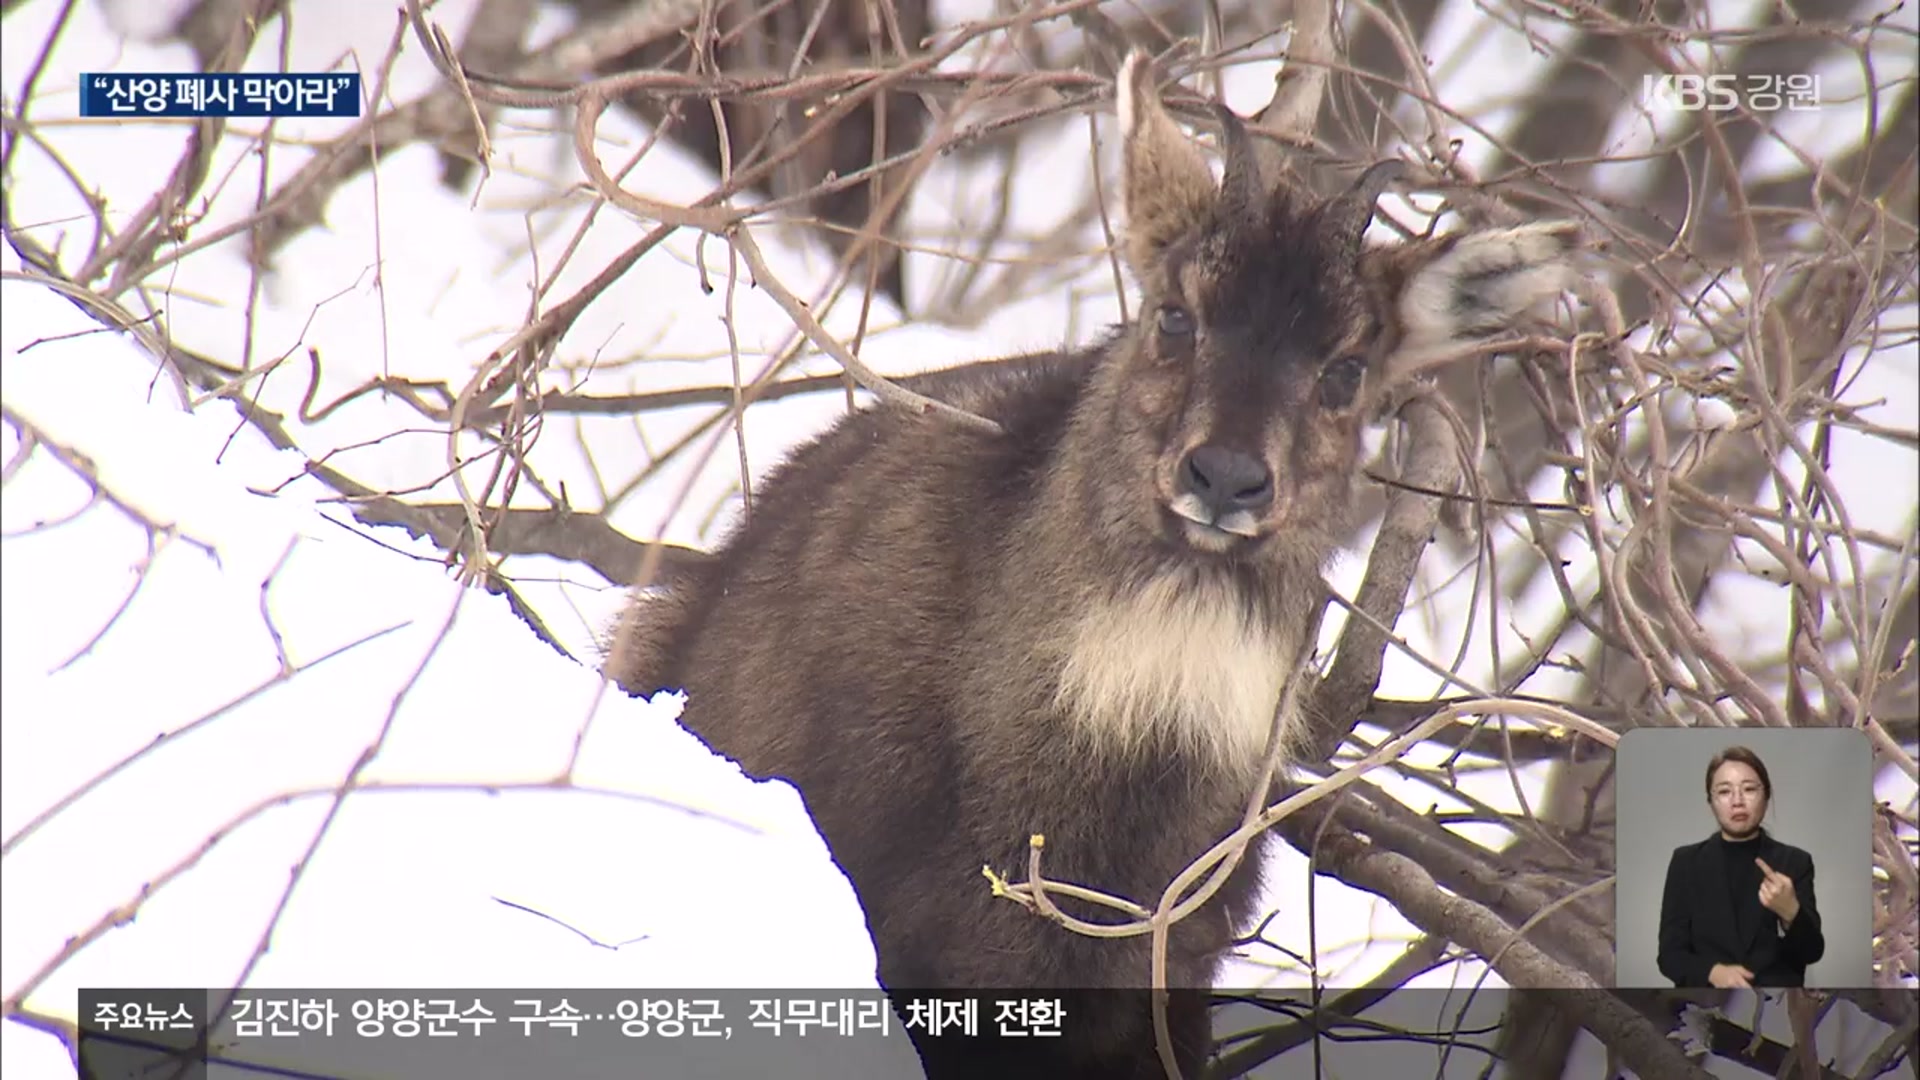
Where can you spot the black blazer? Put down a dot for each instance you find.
(1697, 924)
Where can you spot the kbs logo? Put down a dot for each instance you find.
(1724, 93)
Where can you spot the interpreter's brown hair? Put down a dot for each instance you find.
(1745, 757)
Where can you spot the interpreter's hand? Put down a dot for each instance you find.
(1730, 977)
(1776, 893)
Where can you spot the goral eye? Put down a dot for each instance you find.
(1341, 381)
(1174, 321)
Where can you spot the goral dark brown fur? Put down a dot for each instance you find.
(1085, 625)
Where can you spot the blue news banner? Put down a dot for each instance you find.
(153, 1034)
(141, 94)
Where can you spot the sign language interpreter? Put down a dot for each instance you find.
(1738, 910)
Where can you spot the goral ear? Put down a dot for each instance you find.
(1167, 187)
(1448, 292)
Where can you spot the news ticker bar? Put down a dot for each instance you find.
(375, 1014)
(516, 1033)
(426, 1034)
(140, 94)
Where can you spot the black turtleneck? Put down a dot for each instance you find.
(1743, 880)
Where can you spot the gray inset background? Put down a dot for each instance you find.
(1822, 803)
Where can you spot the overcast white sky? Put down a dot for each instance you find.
(401, 891)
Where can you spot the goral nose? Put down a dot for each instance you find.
(1226, 480)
